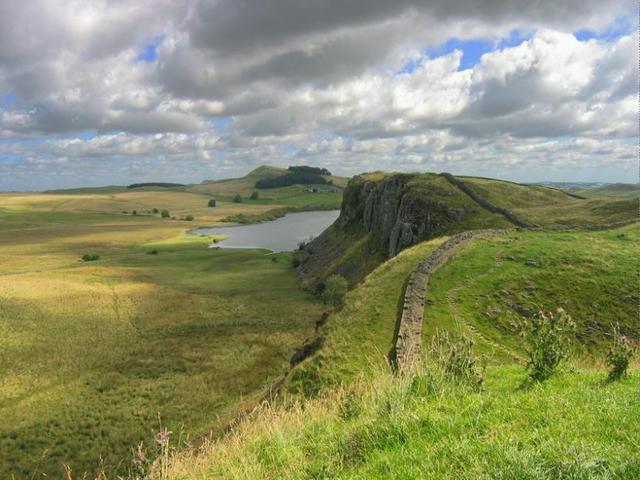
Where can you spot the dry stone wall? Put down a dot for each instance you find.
(409, 341)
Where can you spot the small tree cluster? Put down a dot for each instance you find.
(165, 213)
(237, 199)
(90, 257)
(212, 202)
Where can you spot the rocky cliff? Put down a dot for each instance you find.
(382, 214)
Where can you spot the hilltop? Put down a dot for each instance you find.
(384, 213)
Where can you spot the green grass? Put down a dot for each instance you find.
(551, 207)
(92, 352)
(295, 196)
(613, 190)
(484, 289)
(360, 335)
(574, 426)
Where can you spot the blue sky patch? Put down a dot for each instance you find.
(472, 50)
(619, 28)
(7, 99)
(221, 123)
(150, 51)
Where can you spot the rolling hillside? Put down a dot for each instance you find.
(355, 420)
(297, 196)
(384, 213)
(611, 190)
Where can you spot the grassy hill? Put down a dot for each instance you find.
(385, 212)
(364, 423)
(485, 291)
(611, 190)
(297, 196)
(92, 352)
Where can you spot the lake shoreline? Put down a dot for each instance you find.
(283, 234)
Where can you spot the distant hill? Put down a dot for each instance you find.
(324, 195)
(609, 190)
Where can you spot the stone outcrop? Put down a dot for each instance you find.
(398, 216)
(409, 340)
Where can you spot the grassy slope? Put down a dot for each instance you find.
(614, 190)
(361, 334)
(551, 207)
(479, 292)
(482, 288)
(91, 352)
(572, 427)
(294, 196)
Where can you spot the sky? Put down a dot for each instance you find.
(117, 92)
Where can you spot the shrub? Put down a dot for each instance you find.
(134, 212)
(212, 202)
(152, 252)
(254, 196)
(457, 360)
(189, 218)
(548, 340)
(155, 210)
(619, 354)
(165, 214)
(335, 289)
(90, 257)
(237, 199)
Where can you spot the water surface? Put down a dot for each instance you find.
(281, 235)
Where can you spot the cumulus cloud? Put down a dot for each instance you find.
(234, 83)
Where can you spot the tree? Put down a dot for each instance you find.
(254, 196)
(237, 199)
(212, 202)
(189, 218)
(165, 214)
(335, 289)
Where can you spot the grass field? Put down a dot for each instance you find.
(483, 292)
(574, 426)
(614, 190)
(345, 416)
(327, 196)
(92, 352)
(550, 207)
(487, 287)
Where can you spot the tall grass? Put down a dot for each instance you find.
(426, 426)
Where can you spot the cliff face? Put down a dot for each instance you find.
(396, 213)
(382, 215)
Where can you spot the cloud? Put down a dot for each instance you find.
(317, 81)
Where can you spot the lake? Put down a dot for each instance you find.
(281, 235)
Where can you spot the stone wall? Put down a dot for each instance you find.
(483, 202)
(408, 345)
